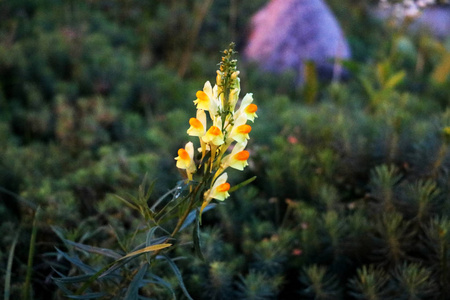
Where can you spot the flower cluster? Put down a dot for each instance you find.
(219, 127)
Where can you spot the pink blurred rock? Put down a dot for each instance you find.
(287, 33)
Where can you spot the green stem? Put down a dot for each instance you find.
(27, 287)
(180, 223)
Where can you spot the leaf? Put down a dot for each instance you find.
(125, 259)
(192, 215)
(151, 233)
(59, 232)
(87, 296)
(196, 237)
(151, 240)
(111, 268)
(395, 79)
(160, 281)
(145, 250)
(92, 249)
(77, 262)
(177, 273)
(61, 286)
(119, 240)
(178, 187)
(127, 203)
(133, 288)
(73, 279)
(166, 211)
(242, 184)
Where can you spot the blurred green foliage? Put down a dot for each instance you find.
(352, 196)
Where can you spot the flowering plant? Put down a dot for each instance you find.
(221, 146)
(226, 129)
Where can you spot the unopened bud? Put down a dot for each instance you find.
(218, 78)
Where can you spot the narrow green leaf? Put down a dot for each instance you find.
(242, 184)
(151, 235)
(59, 232)
(145, 250)
(9, 266)
(152, 241)
(160, 199)
(95, 276)
(177, 273)
(112, 267)
(73, 279)
(395, 79)
(192, 216)
(133, 288)
(77, 262)
(87, 296)
(160, 281)
(119, 239)
(166, 212)
(20, 199)
(196, 237)
(126, 202)
(62, 287)
(92, 249)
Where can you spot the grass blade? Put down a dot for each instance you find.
(9, 267)
(27, 286)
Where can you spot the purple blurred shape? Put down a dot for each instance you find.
(435, 20)
(287, 33)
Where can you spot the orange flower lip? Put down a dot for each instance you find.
(242, 156)
(214, 130)
(251, 108)
(244, 129)
(224, 187)
(194, 122)
(201, 95)
(183, 154)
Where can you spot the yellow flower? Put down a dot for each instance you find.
(238, 157)
(214, 134)
(205, 98)
(198, 124)
(250, 112)
(185, 158)
(240, 130)
(247, 108)
(219, 190)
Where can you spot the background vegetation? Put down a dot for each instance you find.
(352, 196)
